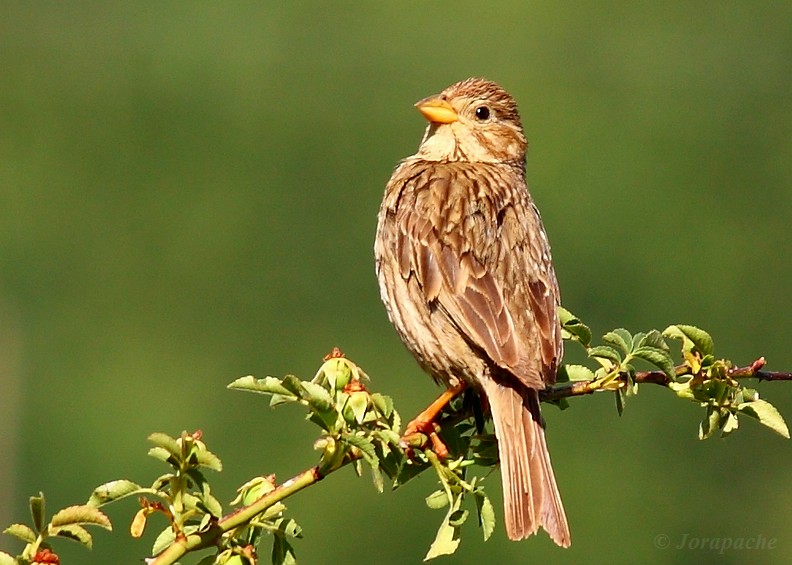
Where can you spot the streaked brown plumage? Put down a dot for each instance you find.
(466, 276)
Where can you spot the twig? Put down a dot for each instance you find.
(754, 371)
(242, 516)
(582, 388)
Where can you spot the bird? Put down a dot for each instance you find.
(466, 275)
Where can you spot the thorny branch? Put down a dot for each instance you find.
(582, 388)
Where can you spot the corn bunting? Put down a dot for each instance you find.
(465, 273)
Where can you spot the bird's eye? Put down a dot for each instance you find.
(482, 113)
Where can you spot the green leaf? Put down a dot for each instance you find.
(383, 404)
(574, 373)
(162, 454)
(458, 518)
(115, 490)
(81, 514)
(358, 405)
(165, 538)
(565, 316)
(748, 395)
(711, 422)
(767, 414)
(166, 442)
(365, 445)
(447, 539)
(700, 338)
(288, 527)
(323, 410)
(206, 458)
(6, 559)
(191, 501)
(692, 338)
(682, 389)
(728, 424)
(206, 501)
(198, 478)
(388, 436)
(278, 399)
(438, 499)
(572, 328)
(654, 339)
(293, 385)
(485, 452)
(317, 396)
(267, 385)
(254, 489)
(282, 552)
(486, 514)
(619, 338)
(657, 357)
(74, 533)
(408, 470)
(21, 531)
(160, 483)
(606, 352)
(37, 511)
(376, 477)
(621, 400)
(391, 464)
(454, 439)
(211, 505)
(446, 542)
(357, 466)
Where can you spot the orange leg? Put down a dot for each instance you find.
(424, 423)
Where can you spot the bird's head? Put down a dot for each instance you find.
(474, 120)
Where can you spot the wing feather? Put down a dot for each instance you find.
(491, 284)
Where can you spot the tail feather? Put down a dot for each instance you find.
(530, 494)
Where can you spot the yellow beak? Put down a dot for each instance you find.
(437, 110)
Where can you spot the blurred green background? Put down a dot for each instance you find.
(188, 194)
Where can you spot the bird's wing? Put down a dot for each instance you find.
(480, 257)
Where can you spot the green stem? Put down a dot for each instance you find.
(438, 467)
(242, 516)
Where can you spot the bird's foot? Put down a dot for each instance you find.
(422, 434)
(422, 431)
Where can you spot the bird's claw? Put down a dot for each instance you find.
(421, 434)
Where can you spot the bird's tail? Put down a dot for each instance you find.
(530, 495)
